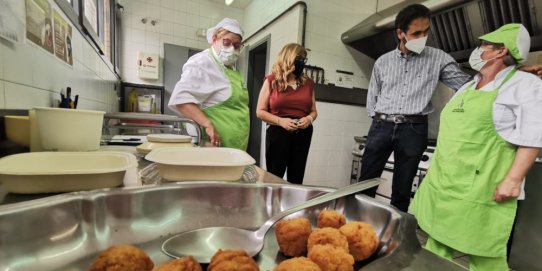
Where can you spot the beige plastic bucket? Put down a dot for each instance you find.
(69, 129)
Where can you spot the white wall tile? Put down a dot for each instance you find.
(17, 60)
(180, 5)
(3, 49)
(192, 7)
(167, 15)
(168, 4)
(20, 96)
(2, 95)
(180, 30)
(152, 39)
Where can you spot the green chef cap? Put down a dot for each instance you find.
(515, 38)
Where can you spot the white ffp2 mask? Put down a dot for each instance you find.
(416, 45)
(228, 55)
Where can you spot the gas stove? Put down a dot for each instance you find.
(384, 190)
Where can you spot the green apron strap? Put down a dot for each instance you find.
(231, 118)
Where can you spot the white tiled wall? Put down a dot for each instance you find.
(330, 156)
(31, 76)
(177, 23)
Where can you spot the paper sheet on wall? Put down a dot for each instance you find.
(345, 79)
(62, 38)
(39, 24)
(12, 22)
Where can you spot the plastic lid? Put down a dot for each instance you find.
(169, 138)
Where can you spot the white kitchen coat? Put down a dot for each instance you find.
(202, 82)
(517, 111)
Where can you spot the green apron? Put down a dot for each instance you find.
(455, 203)
(231, 117)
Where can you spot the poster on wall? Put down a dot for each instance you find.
(39, 24)
(12, 20)
(91, 13)
(62, 38)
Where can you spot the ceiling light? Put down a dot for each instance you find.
(228, 2)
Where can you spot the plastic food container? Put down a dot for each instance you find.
(155, 141)
(69, 129)
(53, 172)
(200, 164)
(18, 129)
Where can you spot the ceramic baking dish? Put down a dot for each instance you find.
(53, 172)
(200, 164)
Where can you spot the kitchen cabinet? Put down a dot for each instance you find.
(335, 94)
(526, 250)
(142, 98)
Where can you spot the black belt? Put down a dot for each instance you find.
(395, 118)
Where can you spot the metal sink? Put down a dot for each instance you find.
(67, 231)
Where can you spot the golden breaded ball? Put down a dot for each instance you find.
(362, 239)
(297, 264)
(331, 258)
(122, 258)
(330, 218)
(292, 236)
(232, 260)
(327, 236)
(187, 263)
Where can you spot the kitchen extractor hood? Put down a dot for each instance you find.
(455, 25)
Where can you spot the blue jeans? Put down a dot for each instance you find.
(407, 141)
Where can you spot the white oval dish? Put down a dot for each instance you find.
(200, 164)
(54, 172)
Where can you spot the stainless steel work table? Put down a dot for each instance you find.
(401, 252)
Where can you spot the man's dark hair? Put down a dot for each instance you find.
(409, 14)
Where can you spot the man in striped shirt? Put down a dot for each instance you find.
(399, 99)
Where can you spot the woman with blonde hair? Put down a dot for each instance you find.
(286, 103)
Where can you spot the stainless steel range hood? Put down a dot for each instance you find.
(455, 24)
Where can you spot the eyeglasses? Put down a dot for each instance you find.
(228, 43)
(300, 58)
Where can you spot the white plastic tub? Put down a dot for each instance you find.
(200, 164)
(69, 129)
(53, 172)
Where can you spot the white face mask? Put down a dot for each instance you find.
(475, 60)
(228, 55)
(416, 45)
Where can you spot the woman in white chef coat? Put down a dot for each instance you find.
(212, 92)
(490, 135)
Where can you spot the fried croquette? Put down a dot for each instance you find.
(330, 218)
(232, 260)
(327, 236)
(292, 236)
(331, 258)
(122, 258)
(187, 263)
(362, 239)
(297, 264)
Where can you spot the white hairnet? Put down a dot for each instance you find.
(231, 25)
